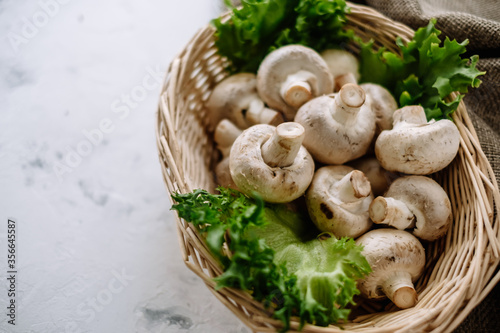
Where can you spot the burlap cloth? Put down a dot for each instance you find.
(478, 21)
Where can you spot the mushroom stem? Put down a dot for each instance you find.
(283, 146)
(296, 89)
(225, 134)
(257, 113)
(352, 187)
(392, 212)
(400, 290)
(347, 103)
(341, 80)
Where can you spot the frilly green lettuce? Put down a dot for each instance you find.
(260, 26)
(277, 256)
(425, 72)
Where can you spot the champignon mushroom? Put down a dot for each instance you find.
(343, 65)
(224, 136)
(272, 162)
(290, 76)
(342, 80)
(397, 260)
(339, 127)
(415, 202)
(415, 146)
(383, 105)
(379, 178)
(338, 200)
(236, 99)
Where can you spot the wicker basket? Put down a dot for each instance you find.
(460, 269)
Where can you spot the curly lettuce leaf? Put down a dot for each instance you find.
(260, 26)
(251, 30)
(276, 256)
(319, 24)
(425, 72)
(326, 268)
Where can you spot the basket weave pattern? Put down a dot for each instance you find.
(460, 269)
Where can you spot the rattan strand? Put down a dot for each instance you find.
(460, 267)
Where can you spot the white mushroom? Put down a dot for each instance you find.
(342, 80)
(414, 202)
(224, 136)
(338, 200)
(223, 175)
(290, 76)
(236, 99)
(383, 105)
(415, 146)
(343, 65)
(339, 127)
(379, 178)
(272, 162)
(397, 260)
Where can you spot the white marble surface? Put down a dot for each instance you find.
(79, 172)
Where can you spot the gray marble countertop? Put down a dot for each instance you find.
(96, 247)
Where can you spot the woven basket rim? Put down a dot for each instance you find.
(483, 254)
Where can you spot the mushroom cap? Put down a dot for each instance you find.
(285, 61)
(417, 148)
(230, 98)
(329, 213)
(380, 179)
(341, 62)
(223, 175)
(275, 184)
(389, 251)
(329, 141)
(383, 105)
(428, 201)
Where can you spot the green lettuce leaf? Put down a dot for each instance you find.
(276, 256)
(425, 72)
(326, 268)
(246, 37)
(260, 26)
(318, 24)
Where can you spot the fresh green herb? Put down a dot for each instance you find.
(275, 256)
(425, 73)
(260, 26)
(319, 24)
